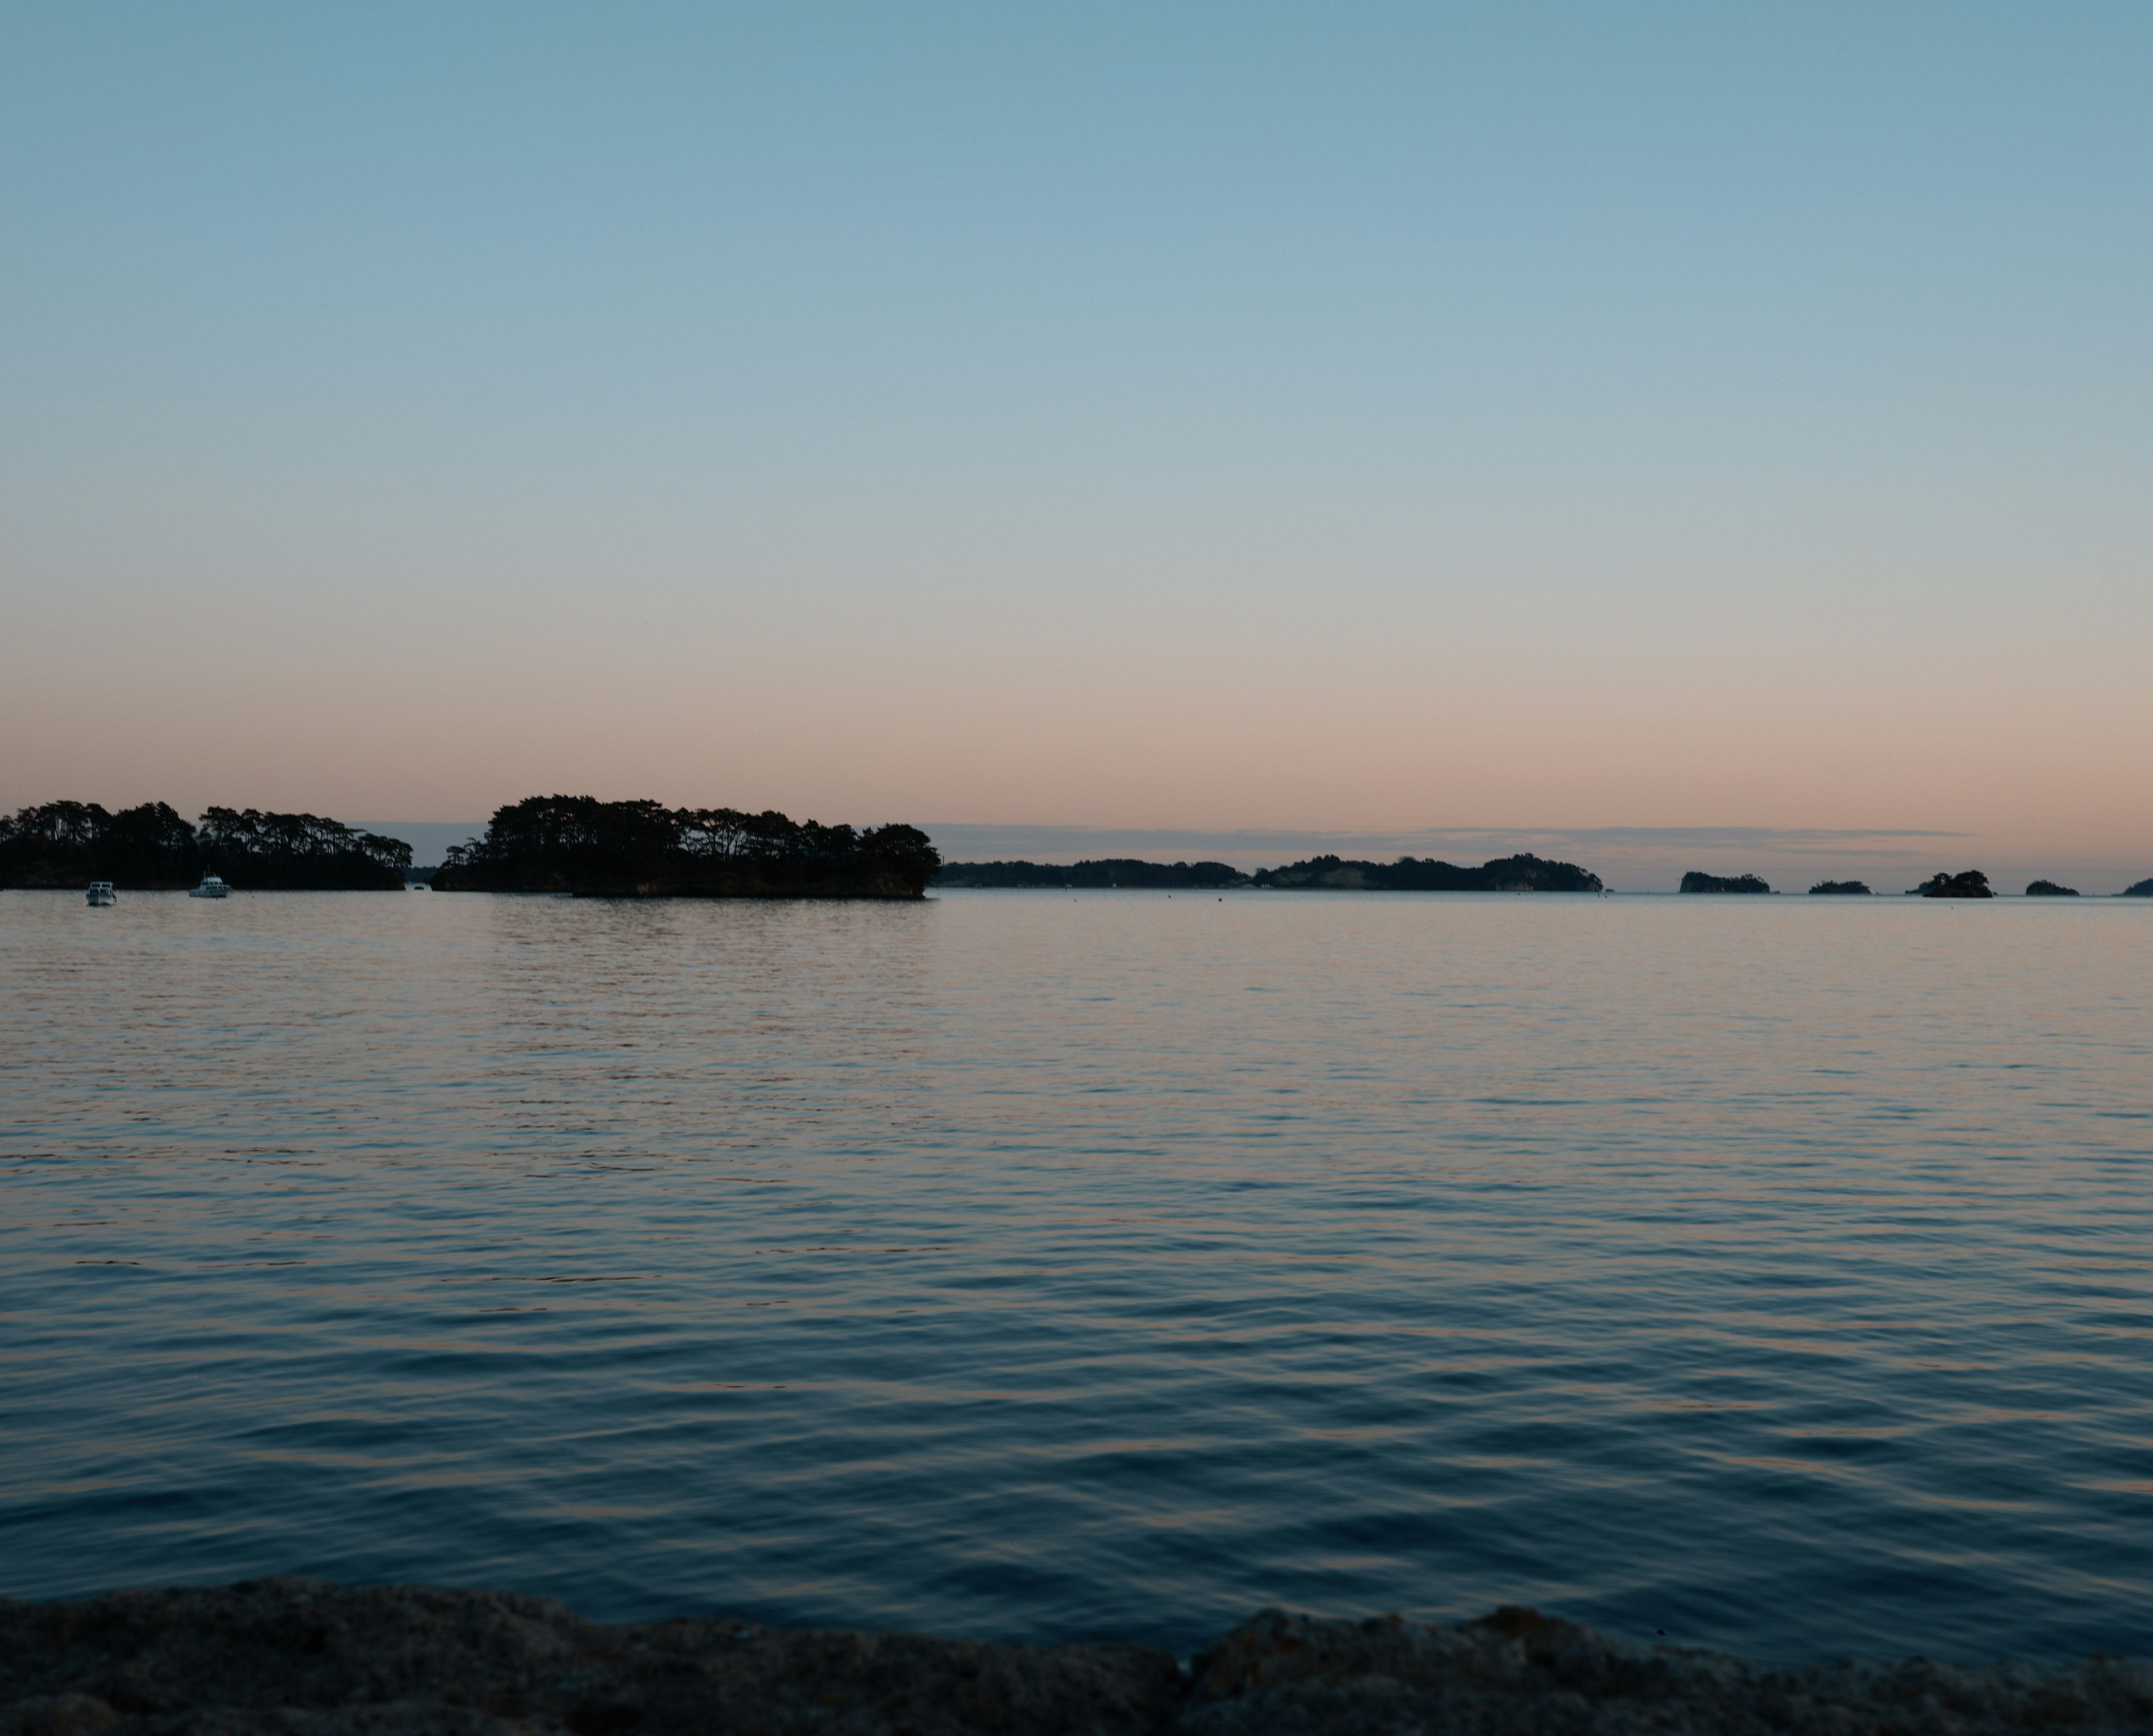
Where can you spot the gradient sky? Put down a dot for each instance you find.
(1352, 419)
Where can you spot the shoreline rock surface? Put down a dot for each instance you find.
(313, 1658)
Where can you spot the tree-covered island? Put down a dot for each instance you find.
(1971, 884)
(644, 850)
(1696, 880)
(1521, 873)
(152, 848)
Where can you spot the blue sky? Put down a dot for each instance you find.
(1369, 418)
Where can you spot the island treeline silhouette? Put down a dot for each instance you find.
(644, 849)
(577, 844)
(1971, 883)
(152, 847)
(1697, 881)
(1525, 873)
(1318, 874)
(1111, 872)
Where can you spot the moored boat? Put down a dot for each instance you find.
(211, 887)
(101, 893)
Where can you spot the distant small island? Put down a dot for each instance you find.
(2144, 889)
(152, 848)
(1318, 874)
(2049, 889)
(1842, 889)
(644, 850)
(1111, 872)
(1971, 884)
(1522, 873)
(1695, 881)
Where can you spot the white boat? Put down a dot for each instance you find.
(101, 893)
(211, 887)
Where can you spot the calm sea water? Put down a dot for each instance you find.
(1776, 1272)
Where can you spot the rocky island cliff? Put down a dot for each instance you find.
(305, 1657)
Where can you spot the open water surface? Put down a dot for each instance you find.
(1775, 1271)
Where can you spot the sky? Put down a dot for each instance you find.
(1704, 430)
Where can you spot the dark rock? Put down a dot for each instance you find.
(1518, 1671)
(1840, 888)
(2049, 889)
(2144, 889)
(1693, 881)
(287, 1655)
(60, 1715)
(1972, 883)
(306, 1657)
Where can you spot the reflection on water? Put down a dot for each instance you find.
(1770, 1271)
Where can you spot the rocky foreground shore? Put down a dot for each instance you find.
(315, 1659)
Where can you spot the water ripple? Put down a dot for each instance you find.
(1778, 1277)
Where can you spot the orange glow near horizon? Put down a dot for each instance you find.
(1512, 428)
